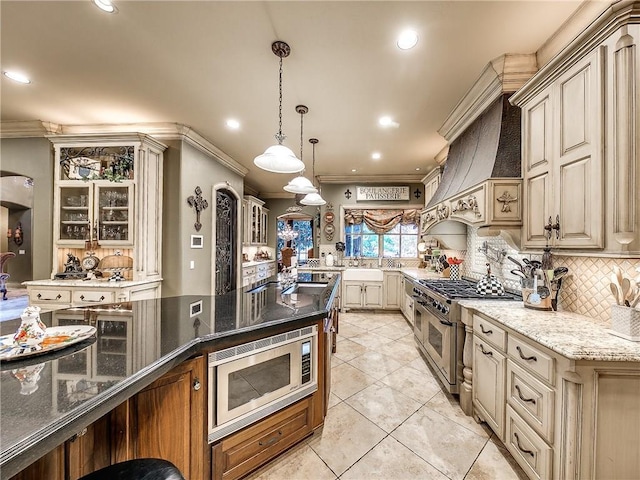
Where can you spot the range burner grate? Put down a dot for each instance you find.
(462, 289)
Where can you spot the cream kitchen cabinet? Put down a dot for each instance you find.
(357, 294)
(431, 182)
(393, 291)
(489, 367)
(257, 221)
(581, 139)
(570, 412)
(563, 156)
(57, 294)
(108, 190)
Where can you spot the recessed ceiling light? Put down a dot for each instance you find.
(106, 6)
(17, 77)
(387, 122)
(417, 169)
(376, 155)
(353, 170)
(233, 124)
(407, 39)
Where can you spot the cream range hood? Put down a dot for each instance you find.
(481, 184)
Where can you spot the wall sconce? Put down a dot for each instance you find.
(17, 234)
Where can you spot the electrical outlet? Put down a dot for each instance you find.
(192, 264)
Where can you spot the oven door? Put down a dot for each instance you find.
(437, 338)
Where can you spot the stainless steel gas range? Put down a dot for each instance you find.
(437, 326)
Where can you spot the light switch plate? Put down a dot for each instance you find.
(192, 264)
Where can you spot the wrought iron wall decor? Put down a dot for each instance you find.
(98, 163)
(196, 201)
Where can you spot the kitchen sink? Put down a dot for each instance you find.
(363, 274)
(309, 288)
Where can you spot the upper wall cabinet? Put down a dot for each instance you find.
(108, 195)
(255, 221)
(581, 141)
(563, 160)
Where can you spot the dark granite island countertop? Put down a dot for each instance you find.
(136, 343)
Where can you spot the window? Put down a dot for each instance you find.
(399, 242)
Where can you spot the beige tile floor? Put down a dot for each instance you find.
(389, 418)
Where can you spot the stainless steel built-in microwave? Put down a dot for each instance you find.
(253, 380)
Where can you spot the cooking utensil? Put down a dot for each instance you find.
(626, 289)
(617, 283)
(543, 291)
(618, 272)
(636, 299)
(560, 272)
(614, 289)
(520, 266)
(519, 273)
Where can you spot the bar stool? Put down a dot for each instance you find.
(140, 469)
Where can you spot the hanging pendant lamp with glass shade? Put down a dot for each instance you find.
(301, 184)
(278, 158)
(313, 198)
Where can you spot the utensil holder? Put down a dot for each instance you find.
(532, 298)
(625, 322)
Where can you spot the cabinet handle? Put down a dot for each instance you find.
(94, 301)
(58, 297)
(272, 440)
(553, 226)
(523, 450)
(530, 400)
(486, 352)
(486, 332)
(528, 359)
(196, 384)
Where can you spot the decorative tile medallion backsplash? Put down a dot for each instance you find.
(585, 290)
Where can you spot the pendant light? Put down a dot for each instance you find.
(301, 184)
(313, 198)
(278, 158)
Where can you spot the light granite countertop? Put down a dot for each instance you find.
(571, 335)
(78, 282)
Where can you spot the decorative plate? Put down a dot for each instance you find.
(329, 229)
(55, 338)
(329, 217)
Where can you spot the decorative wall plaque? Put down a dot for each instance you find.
(382, 193)
(196, 201)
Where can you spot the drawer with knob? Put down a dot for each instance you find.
(50, 296)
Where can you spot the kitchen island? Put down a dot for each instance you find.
(47, 400)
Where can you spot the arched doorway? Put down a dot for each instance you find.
(296, 232)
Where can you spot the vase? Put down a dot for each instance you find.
(625, 322)
(31, 331)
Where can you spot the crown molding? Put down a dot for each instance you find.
(503, 74)
(612, 19)
(28, 129)
(362, 179)
(156, 130)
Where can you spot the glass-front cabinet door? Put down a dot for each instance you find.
(98, 210)
(75, 213)
(114, 212)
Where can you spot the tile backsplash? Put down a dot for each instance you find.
(585, 289)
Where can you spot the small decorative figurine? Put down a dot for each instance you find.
(31, 331)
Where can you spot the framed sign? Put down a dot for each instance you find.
(382, 193)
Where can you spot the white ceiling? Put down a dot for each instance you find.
(199, 63)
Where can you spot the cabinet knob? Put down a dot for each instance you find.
(196, 384)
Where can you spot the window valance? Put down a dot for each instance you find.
(381, 220)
